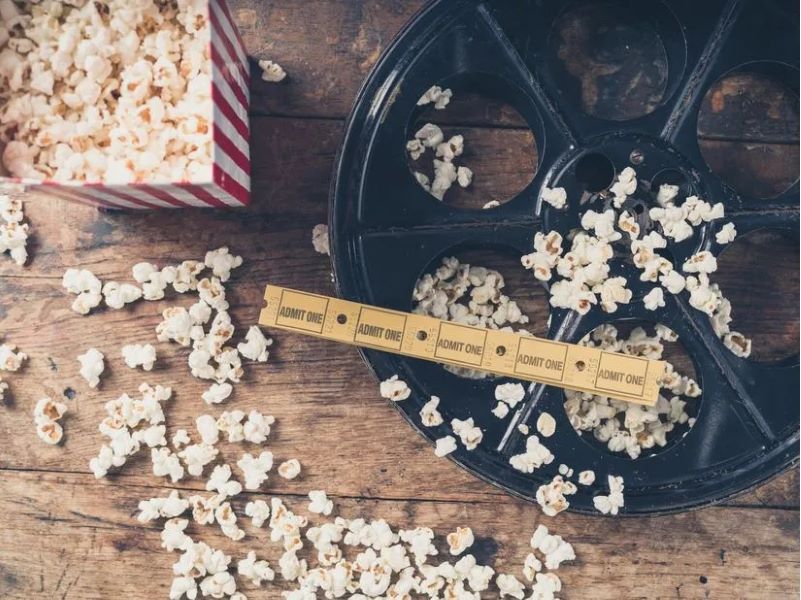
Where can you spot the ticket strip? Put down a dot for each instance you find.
(612, 374)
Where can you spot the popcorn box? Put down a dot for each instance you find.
(228, 184)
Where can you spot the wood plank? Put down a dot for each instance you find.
(66, 540)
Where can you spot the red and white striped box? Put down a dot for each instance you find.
(230, 182)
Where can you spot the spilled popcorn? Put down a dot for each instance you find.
(47, 413)
(13, 230)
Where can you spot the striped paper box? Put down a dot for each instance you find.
(230, 182)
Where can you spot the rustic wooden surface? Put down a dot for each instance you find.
(65, 535)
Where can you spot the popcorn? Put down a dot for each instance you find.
(429, 415)
(429, 135)
(586, 477)
(271, 71)
(166, 464)
(256, 571)
(206, 426)
(611, 504)
(10, 358)
(501, 410)
(176, 326)
(255, 345)
(508, 585)
(460, 540)
(445, 445)
(222, 262)
(533, 458)
(701, 262)
(551, 496)
(13, 232)
(289, 469)
(173, 536)
(437, 95)
(666, 194)
(320, 239)
(546, 424)
(86, 286)
(319, 503)
(118, 295)
(464, 176)
(673, 282)
(556, 197)
(139, 355)
(255, 469)
(555, 549)
(625, 186)
(394, 389)
(197, 456)
(47, 413)
(258, 511)
(257, 427)
(470, 435)
(654, 299)
(510, 393)
(726, 234)
(92, 366)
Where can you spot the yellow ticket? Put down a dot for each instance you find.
(571, 366)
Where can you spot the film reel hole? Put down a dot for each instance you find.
(342, 319)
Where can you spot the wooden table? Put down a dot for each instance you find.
(65, 535)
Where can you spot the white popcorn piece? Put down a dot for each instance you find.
(673, 282)
(726, 234)
(139, 355)
(470, 435)
(510, 393)
(654, 299)
(319, 503)
(255, 469)
(551, 496)
(180, 438)
(220, 481)
(320, 240)
(460, 540)
(271, 71)
(625, 186)
(10, 358)
(533, 458)
(394, 389)
(464, 176)
(586, 477)
(173, 537)
(429, 135)
(86, 286)
(611, 504)
(556, 197)
(437, 95)
(429, 415)
(197, 456)
(445, 445)
(501, 410)
(217, 392)
(546, 424)
(166, 464)
(50, 432)
(117, 295)
(257, 427)
(666, 194)
(445, 173)
(206, 426)
(450, 149)
(222, 262)
(255, 345)
(258, 511)
(289, 469)
(509, 585)
(92, 366)
(701, 262)
(256, 571)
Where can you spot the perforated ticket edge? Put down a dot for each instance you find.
(570, 366)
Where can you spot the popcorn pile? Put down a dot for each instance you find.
(627, 427)
(211, 357)
(13, 231)
(10, 360)
(446, 172)
(355, 558)
(106, 91)
(583, 271)
(467, 294)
